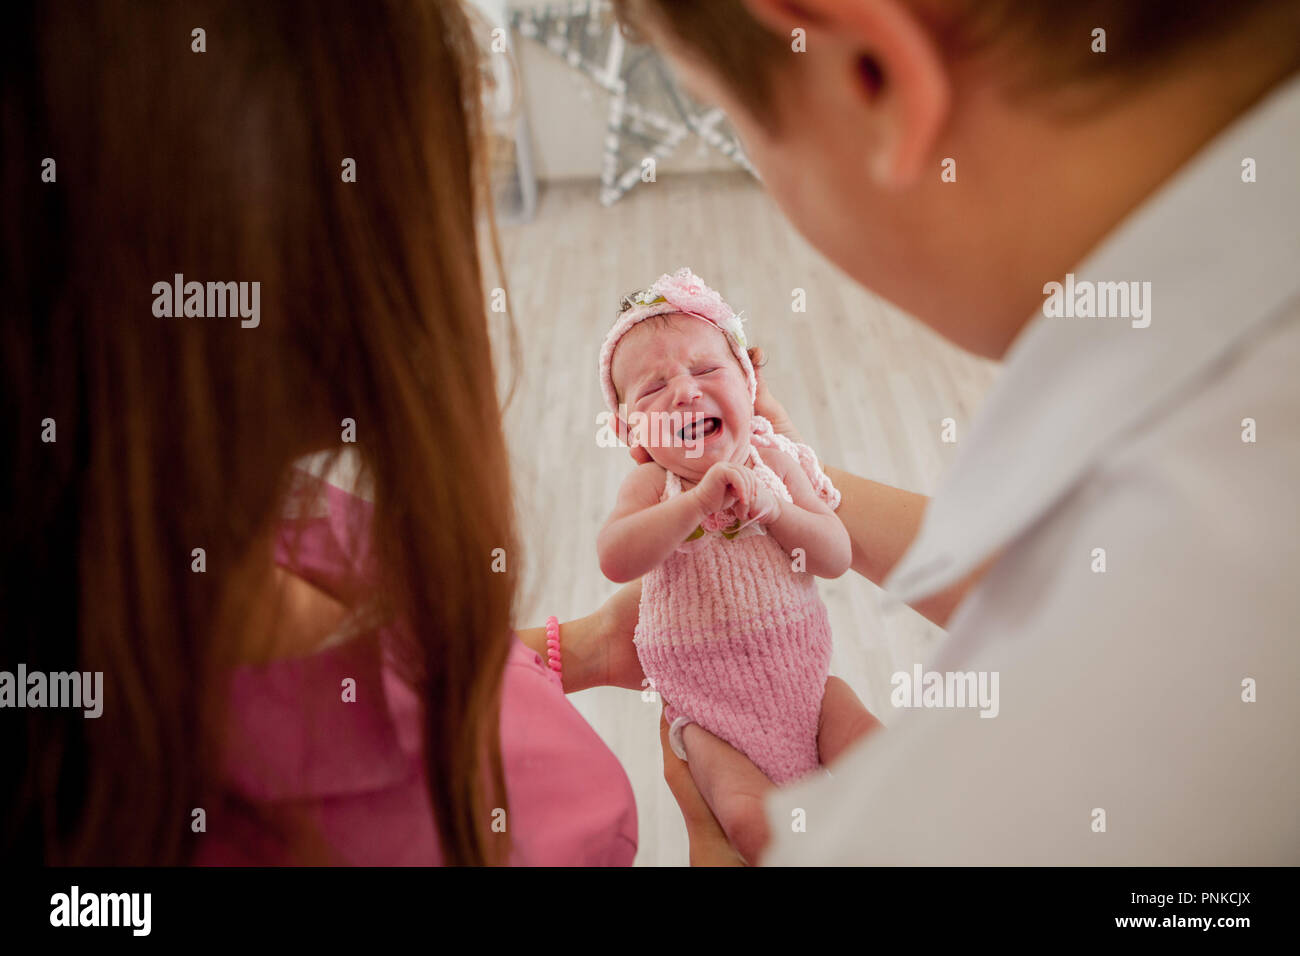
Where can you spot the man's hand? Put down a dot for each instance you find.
(766, 405)
(709, 846)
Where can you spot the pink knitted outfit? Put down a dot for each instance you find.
(736, 640)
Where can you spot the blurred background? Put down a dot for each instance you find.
(607, 176)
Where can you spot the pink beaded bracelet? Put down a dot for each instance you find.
(553, 643)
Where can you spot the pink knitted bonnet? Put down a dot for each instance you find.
(685, 292)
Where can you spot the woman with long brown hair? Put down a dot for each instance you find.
(265, 641)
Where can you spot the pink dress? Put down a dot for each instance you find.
(737, 641)
(357, 768)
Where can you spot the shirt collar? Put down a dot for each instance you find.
(1221, 256)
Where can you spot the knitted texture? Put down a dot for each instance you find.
(762, 436)
(738, 642)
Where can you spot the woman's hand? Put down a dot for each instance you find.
(708, 844)
(618, 617)
(597, 650)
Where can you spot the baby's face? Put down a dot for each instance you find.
(686, 398)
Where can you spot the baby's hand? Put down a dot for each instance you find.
(723, 485)
(765, 506)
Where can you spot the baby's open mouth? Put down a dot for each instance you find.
(704, 428)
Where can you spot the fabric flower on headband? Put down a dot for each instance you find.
(688, 293)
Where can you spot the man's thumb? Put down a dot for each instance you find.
(757, 359)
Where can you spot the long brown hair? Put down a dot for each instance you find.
(178, 433)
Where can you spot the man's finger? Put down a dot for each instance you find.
(757, 358)
(678, 776)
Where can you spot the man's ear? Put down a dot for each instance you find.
(895, 63)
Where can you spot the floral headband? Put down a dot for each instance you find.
(684, 292)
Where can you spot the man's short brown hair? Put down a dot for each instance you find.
(1053, 38)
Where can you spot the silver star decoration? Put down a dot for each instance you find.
(649, 115)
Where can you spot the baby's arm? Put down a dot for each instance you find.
(809, 523)
(642, 532)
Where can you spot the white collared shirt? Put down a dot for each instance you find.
(1125, 729)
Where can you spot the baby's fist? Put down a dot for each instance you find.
(722, 485)
(765, 507)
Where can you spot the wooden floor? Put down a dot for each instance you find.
(867, 387)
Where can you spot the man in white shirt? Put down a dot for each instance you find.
(1118, 531)
(1142, 618)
